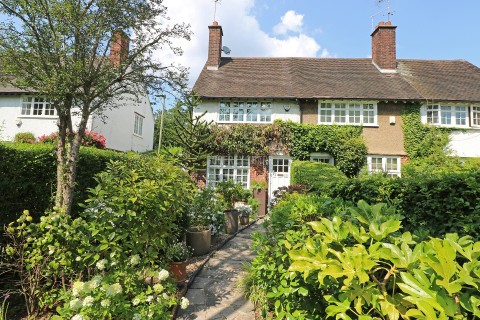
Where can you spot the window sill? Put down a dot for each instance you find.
(250, 122)
(138, 136)
(37, 117)
(373, 125)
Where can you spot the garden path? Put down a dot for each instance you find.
(215, 293)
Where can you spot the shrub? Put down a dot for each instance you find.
(51, 138)
(120, 239)
(438, 204)
(94, 139)
(315, 175)
(28, 177)
(24, 137)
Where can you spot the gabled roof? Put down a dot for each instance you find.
(332, 78)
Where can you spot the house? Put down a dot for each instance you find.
(371, 93)
(127, 126)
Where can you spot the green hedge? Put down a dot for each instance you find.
(439, 204)
(28, 174)
(316, 176)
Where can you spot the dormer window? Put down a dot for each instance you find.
(37, 106)
(244, 111)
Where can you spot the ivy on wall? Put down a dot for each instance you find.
(344, 143)
(421, 140)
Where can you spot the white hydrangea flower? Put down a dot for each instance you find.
(134, 260)
(136, 301)
(95, 282)
(149, 299)
(158, 287)
(113, 289)
(137, 316)
(78, 317)
(105, 303)
(101, 264)
(184, 303)
(76, 304)
(165, 296)
(163, 275)
(88, 301)
(77, 288)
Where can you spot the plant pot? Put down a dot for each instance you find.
(231, 221)
(214, 238)
(244, 220)
(179, 270)
(199, 241)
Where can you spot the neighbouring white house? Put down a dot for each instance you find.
(127, 126)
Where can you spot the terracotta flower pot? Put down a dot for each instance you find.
(179, 270)
(199, 241)
(231, 221)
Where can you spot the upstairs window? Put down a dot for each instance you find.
(349, 113)
(37, 106)
(138, 125)
(389, 165)
(239, 111)
(449, 116)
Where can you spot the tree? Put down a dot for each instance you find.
(58, 49)
(191, 133)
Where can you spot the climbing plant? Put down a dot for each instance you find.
(344, 143)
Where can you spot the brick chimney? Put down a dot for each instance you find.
(384, 50)
(215, 35)
(119, 47)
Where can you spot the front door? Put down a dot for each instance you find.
(279, 174)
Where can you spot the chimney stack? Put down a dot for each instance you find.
(384, 50)
(119, 45)
(215, 35)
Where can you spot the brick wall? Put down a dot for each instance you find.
(119, 46)
(214, 45)
(258, 169)
(384, 51)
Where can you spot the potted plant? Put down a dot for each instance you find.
(244, 212)
(178, 254)
(229, 193)
(201, 210)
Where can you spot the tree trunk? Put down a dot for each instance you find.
(69, 143)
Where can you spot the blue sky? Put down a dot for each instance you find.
(427, 29)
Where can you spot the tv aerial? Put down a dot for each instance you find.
(387, 9)
(215, 10)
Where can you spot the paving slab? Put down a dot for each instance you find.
(214, 294)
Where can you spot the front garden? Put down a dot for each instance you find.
(112, 258)
(370, 248)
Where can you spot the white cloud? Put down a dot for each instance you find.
(291, 21)
(242, 33)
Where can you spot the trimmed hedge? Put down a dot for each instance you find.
(28, 177)
(316, 176)
(439, 204)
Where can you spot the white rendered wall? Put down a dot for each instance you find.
(13, 122)
(278, 111)
(117, 125)
(465, 144)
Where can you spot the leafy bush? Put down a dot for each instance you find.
(24, 137)
(94, 139)
(51, 138)
(28, 177)
(316, 175)
(121, 236)
(203, 211)
(370, 271)
(450, 200)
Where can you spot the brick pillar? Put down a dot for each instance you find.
(119, 47)
(384, 50)
(214, 46)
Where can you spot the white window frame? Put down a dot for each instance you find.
(138, 125)
(330, 110)
(37, 106)
(440, 109)
(217, 167)
(384, 165)
(322, 157)
(475, 116)
(241, 112)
